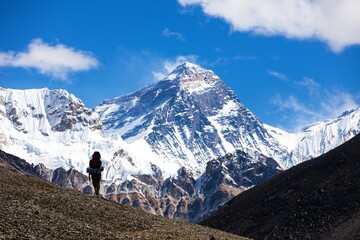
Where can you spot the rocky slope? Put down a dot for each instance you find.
(318, 199)
(33, 209)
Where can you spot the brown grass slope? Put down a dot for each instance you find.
(34, 209)
(318, 199)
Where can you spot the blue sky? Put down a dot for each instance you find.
(290, 62)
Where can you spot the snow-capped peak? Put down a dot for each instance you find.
(51, 110)
(193, 78)
(191, 67)
(318, 138)
(186, 70)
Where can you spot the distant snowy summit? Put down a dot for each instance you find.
(193, 78)
(187, 70)
(44, 111)
(51, 127)
(321, 137)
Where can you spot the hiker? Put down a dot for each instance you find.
(94, 171)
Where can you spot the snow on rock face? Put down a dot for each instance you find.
(321, 137)
(318, 138)
(43, 111)
(52, 127)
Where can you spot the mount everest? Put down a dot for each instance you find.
(179, 148)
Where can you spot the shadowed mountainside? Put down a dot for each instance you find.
(34, 209)
(71, 178)
(318, 199)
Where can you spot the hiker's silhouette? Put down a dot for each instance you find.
(94, 170)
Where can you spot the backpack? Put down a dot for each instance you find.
(95, 167)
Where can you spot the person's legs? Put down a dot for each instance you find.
(96, 183)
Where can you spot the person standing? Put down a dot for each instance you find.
(94, 170)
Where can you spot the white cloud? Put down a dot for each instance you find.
(292, 103)
(310, 84)
(58, 61)
(335, 22)
(218, 62)
(179, 36)
(335, 102)
(244, 58)
(278, 75)
(158, 75)
(168, 66)
(358, 96)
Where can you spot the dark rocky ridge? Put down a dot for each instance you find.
(318, 199)
(71, 178)
(34, 209)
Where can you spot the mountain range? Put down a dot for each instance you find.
(179, 148)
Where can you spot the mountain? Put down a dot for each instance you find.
(33, 209)
(191, 117)
(179, 148)
(188, 118)
(52, 127)
(317, 199)
(321, 137)
(57, 136)
(191, 120)
(177, 126)
(318, 138)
